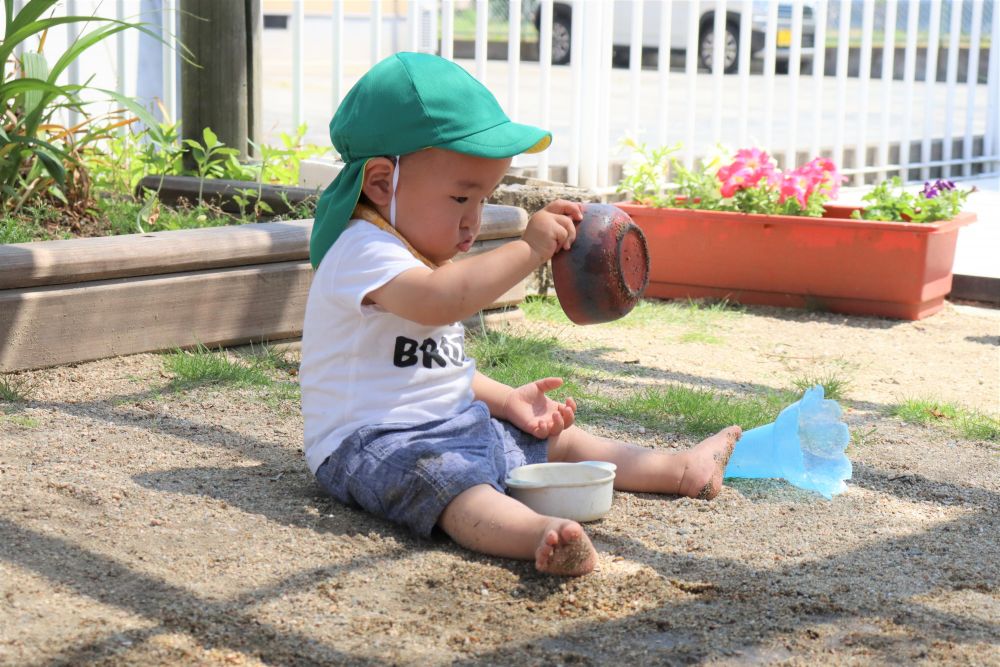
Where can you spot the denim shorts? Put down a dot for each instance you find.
(408, 473)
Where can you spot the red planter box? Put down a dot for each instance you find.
(892, 269)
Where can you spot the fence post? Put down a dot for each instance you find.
(930, 80)
(972, 80)
(991, 140)
(255, 72)
(217, 92)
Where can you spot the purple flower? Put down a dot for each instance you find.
(930, 191)
(944, 185)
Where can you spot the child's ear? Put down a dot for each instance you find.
(377, 183)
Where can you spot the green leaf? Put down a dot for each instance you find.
(153, 127)
(20, 31)
(211, 139)
(35, 66)
(27, 14)
(10, 89)
(85, 41)
(53, 165)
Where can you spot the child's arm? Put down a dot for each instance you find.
(526, 407)
(494, 394)
(459, 290)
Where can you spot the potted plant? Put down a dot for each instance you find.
(743, 230)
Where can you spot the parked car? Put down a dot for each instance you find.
(562, 27)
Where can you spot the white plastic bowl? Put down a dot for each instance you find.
(577, 491)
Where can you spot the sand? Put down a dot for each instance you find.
(140, 527)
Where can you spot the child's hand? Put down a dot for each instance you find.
(529, 409)
(553, 228)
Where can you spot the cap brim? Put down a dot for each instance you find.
(501, 141)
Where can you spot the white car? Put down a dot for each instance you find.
(562, 26)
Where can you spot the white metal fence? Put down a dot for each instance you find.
(920, 122)
(909, 87)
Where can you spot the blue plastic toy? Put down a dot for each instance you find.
(804, 446)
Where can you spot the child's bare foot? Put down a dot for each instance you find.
(565, 549)
(707, 462)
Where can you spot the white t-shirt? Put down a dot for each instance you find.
(362, 365)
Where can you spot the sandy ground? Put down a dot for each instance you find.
(146, 527)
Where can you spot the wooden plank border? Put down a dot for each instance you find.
(82, 260)
(172, 299)
(55, 325)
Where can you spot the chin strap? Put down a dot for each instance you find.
(368, 214)
(392, 202)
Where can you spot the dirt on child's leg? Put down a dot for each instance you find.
(565, 549)
(705, 464)
(696, 472)
(483, 519)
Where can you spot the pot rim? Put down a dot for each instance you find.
(632, 228)
(513, 481)
(943, 226)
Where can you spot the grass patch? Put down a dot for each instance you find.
(544, 309)
(201, 367)
(971, 424)
(267, 356)
(19, 420)
(112, 216)
(696, 412)
(700, 313)
(517, 359)
(834, 388)
(700, 317)
(862, 438)
(706, 337)
(131, 216)
(32, 223)
(923, 412)
(14, 389)
(13, 230)
(976, 425)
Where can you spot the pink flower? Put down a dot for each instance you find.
(753, 167)
(727, 170)
(826, 176)
(758, 162)
(746, 171)
(754, 158)
(734, 177)
(796, 184)
(774, 178)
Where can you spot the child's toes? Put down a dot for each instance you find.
(565, 550)
(570, 532)
(545, 550)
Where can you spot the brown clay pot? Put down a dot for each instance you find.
(605, 272)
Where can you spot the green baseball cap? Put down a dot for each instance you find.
(406, 103)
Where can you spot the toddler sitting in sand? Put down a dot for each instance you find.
(397, 418)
